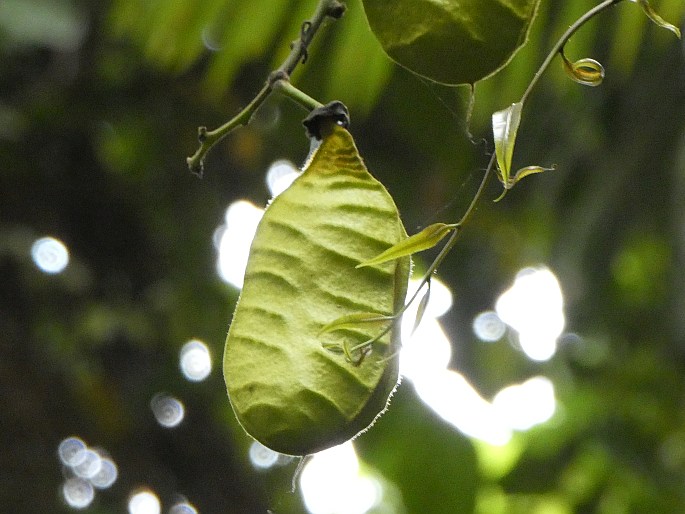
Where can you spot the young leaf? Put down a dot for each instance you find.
(528, 170)
(652, 15)
(585, 71)
(451, 41)
(505, 124)
(427, 238)
(362, 349)
(421, 310)
(523, 172)
(353, 320)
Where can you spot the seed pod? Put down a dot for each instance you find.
(287, 388)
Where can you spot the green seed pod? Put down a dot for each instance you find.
(287, 388)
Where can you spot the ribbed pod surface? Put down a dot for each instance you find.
(287, 391)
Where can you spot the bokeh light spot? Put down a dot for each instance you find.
(533, 306)
(87, 468)
(427, 348)
(90, 465)
(522, 406)
(78, 492)
(144, 502)
(453, 398)
(424, 352)
(50, 255)
(195, 361)
(488, 327)
(183, 508)
(107, 474)
(211, 39)
(168, 411)
(262, 457)
(72, 451)
(237, 234)
(331, 483)
(280, 175)
(424, 358)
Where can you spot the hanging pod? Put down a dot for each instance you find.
(294, 386)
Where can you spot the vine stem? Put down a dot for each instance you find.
(286, 88)
(279, 80)
(394, 319)
(455, 235)
(564, 39)
(606, 4)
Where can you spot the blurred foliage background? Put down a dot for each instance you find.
(99, 106)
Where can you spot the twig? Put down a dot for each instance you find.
(279, 80)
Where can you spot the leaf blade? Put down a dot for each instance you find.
(451, 41)
(528, 170)
(351, 321)
(505, 124)
(427, 238)
(421, 309)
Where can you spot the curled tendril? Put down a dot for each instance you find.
(584, 71)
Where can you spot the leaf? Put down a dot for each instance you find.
(451, 41)
(528, 170)
(351, 321)
(505, 124)
(421, 310)
(584, 71)
(285, 388)
(427, 238)
(652, 15)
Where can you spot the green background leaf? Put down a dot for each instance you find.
(453, 41)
